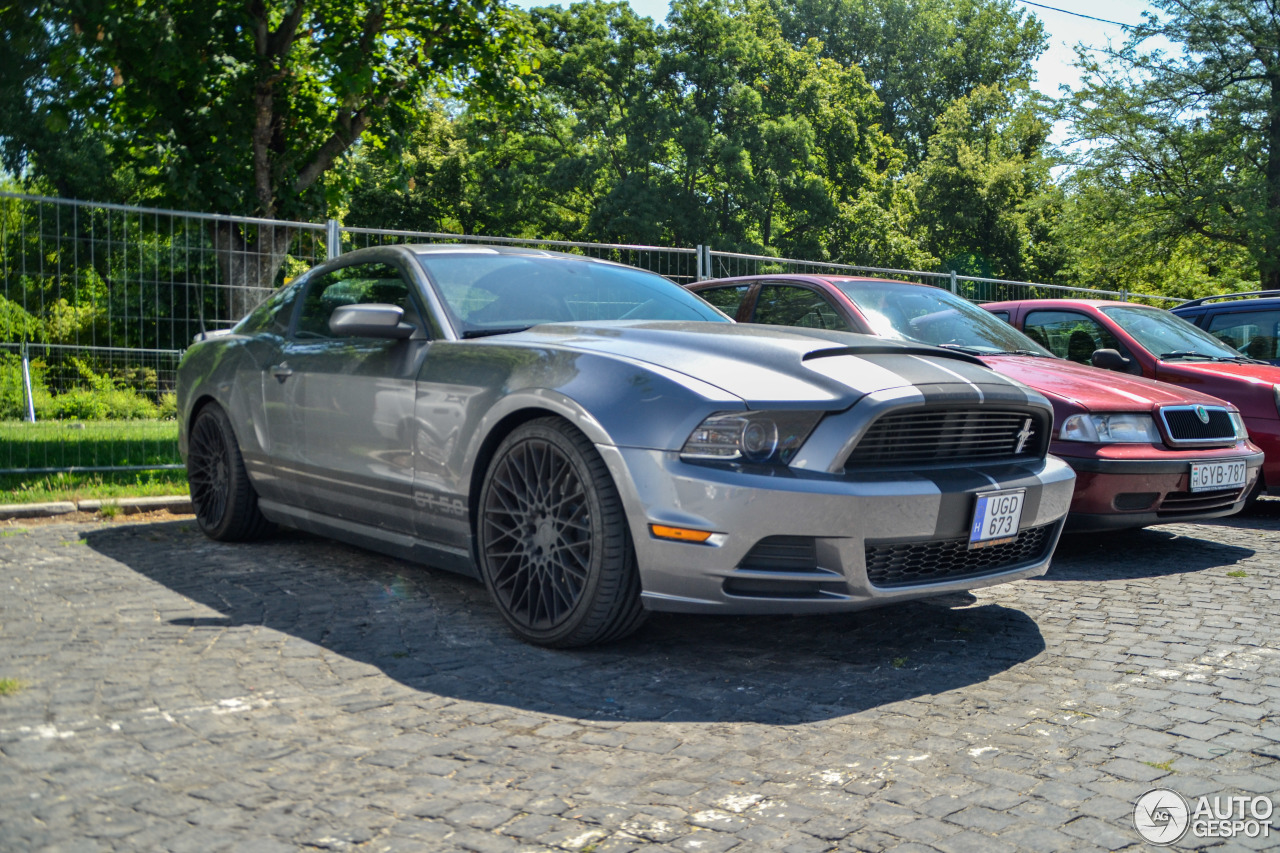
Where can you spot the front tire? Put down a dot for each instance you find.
(225, 503)
(554, 548)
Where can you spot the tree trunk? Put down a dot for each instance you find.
(1269, 256)
(249, 256)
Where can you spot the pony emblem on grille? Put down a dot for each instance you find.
(1024, 434)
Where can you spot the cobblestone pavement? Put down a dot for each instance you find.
(185, 695)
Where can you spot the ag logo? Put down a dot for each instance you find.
(1161, 816)
(1203, 414)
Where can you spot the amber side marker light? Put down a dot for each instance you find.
(680, 534)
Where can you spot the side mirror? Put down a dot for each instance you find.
(370, 321)
(1109, 359)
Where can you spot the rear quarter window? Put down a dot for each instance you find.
(728, 299)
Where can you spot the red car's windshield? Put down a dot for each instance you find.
(1168, 336)
(929, 315)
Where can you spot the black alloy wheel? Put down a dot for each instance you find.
(225, 503)
(555, 551)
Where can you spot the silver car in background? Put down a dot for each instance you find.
(594, 443)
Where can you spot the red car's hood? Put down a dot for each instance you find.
(1092, 389)
(1208, 371)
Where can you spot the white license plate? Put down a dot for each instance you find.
(1207, 476)
(996, 517)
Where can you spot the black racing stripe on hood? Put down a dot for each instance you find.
(895, 349)
(960, 488)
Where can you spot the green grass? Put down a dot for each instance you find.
(1237, 574)
(10, 686)
(16, 489)
(84, 444)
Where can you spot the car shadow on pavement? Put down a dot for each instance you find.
(437, 632)
(1146, 553)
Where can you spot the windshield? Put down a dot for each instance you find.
(930, 315)
(1168, 336)
(490, 293)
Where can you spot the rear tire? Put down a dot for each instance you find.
(225, 503)
(554, 548)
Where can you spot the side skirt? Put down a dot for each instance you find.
(388, 542)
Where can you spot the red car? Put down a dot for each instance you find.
(1144, 452)
(1151, 342)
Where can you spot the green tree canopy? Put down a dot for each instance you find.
(712, 128)
(1190, 136)
(920, 55)
(986, 194)
(244, 107)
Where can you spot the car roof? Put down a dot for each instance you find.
(1062, 303)
(802, 277)
(485, 249)
(1253, 297)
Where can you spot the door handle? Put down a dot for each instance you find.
(281, 371)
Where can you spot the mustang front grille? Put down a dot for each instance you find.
(1185, 426)
(956, 436)
(915, 563)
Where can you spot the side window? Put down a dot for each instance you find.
(727, 299)
(1002, 315)
(788, 305)
(361, 284)
(273, 315)
(1070, 335)
(1254, 333)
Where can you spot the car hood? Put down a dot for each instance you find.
(1225, 371)
(772, 366)
(1092, 389)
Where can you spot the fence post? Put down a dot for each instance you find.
(953, 283)
(699, 275)
(332, 239)
(1124, 294)
(26, 384)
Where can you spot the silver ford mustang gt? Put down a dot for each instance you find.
(594, 442)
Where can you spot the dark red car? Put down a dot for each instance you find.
(1151, 342)
(1144, 452)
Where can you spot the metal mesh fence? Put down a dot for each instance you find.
(679, 265)
(103, 299)
(95, 408)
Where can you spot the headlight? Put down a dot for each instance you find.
(1237, 421)
(770, 438)
(1110, 429)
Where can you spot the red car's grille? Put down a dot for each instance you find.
(1185, 425)
(958, 436)
(1183, 503)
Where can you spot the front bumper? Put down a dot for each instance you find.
(1118, 494)
(1265, 433)
(800, 542)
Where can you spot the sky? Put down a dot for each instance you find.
(1055, 67)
